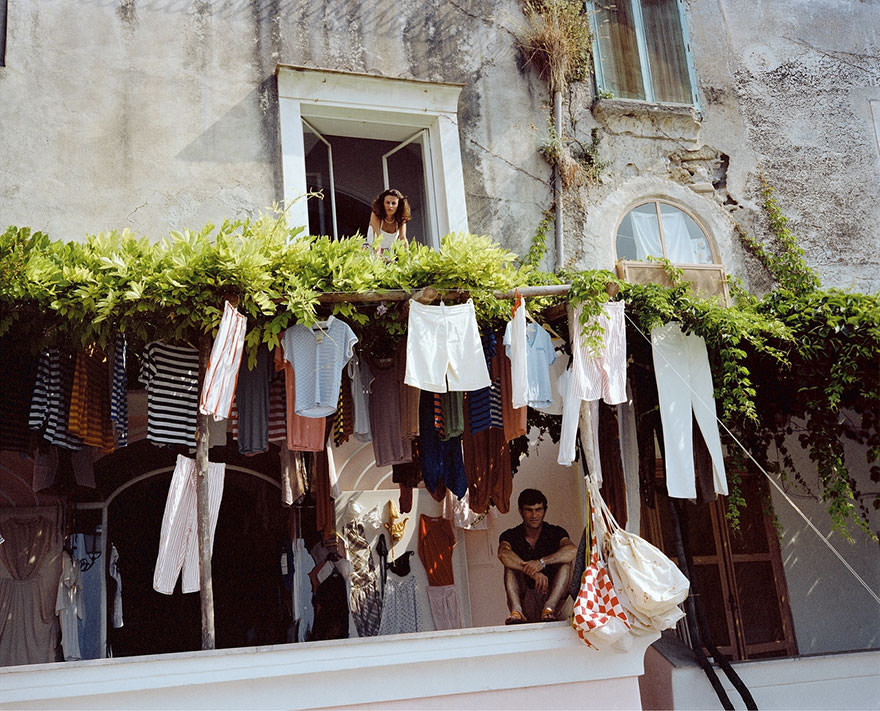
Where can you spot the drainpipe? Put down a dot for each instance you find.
(557, 178)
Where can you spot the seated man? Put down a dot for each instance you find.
(537, 559)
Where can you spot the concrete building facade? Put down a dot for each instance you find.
(160, 115)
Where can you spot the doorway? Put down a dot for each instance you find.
(351, 172)
(250, 600)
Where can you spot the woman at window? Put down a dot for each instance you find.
(388, 218)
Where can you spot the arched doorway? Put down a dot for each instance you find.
(251, 603)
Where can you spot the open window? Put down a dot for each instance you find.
(350, 136)
(642, 51)
(739, 574)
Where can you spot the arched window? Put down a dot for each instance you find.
(659, 229)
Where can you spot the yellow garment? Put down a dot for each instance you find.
(396, 524)
(89, 415)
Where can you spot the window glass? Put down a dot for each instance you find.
(666, 51)
(616, 37)
(641, 50)
(658, 229)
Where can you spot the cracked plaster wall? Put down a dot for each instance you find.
(785, 87)
(162, 114)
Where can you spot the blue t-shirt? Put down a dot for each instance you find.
(540, 355)
(318, 355)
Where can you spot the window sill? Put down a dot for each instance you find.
(645, 119)
(708, 280)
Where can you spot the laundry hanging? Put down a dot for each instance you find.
(443, 349)
(685, 390)
(221, 374)
(50, 402)
(318, 355)
(178, 538)
(599, 373)
(436, 542)
(304, 434)
(171, 376)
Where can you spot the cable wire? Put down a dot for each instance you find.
(785, 495)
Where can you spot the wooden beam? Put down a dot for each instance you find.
(428, 294)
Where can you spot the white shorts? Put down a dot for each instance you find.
(443, 349)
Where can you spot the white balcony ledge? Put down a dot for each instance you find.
(335, 673)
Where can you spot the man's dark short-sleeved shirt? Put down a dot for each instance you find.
(547, 543)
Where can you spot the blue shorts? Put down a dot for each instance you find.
(441, 461)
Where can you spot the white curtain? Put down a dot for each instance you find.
(678, 240)
(646, 234)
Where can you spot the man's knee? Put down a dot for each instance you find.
(563, 572)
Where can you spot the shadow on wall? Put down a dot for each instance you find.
(228, 10)
(231, 138)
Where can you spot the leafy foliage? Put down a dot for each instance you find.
(800, 357)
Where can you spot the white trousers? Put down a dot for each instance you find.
(179, 537)
(684, 386)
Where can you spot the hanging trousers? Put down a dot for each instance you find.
(684, 386)
(179, 537)
(221, 374)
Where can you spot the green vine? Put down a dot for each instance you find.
(786, 264)
(799, 364)
(538, 246)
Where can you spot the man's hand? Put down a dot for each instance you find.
(531, 567)
(542, 584)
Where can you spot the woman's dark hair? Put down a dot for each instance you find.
(530, 497)
(402, 214)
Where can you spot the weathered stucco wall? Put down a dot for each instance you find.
(158, 115)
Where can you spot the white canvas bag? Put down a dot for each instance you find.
(649, 584)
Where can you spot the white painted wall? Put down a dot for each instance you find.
(840, 681)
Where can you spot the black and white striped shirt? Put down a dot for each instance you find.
(50, 402)
(171, 374)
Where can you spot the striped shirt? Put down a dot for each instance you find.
(89, 416)
(50, 402)
(221, 374)
(480, 401)
(119, 392)
(171, 375)
(318, 355)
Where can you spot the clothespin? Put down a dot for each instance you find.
(517, 301)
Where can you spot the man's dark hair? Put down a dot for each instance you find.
(530, 497)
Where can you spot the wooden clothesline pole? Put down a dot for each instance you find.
(429, 293)
(206, 586)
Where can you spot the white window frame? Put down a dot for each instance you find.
(370, 106)
(641, 41)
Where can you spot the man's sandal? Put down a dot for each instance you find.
(548, 615)
(515, 618)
